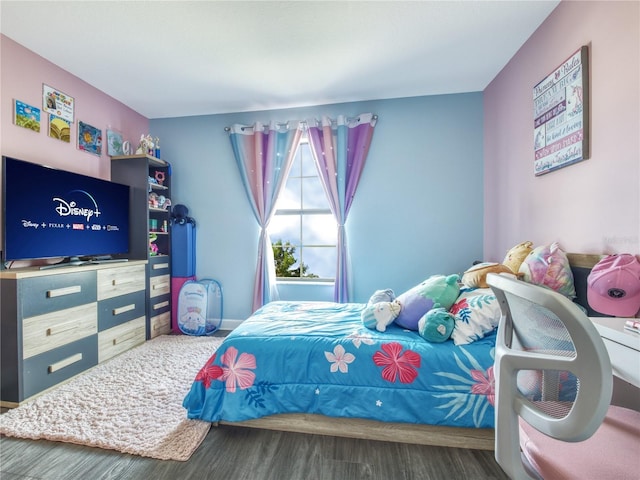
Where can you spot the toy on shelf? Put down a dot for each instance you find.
(159, 201)
(146, 145)
(159, 177)
(153, 248)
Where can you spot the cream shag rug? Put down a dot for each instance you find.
(131, 403)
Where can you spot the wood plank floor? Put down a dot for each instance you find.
(244, 453)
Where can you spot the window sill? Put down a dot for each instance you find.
(306, 282)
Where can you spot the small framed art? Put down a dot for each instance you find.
(114, 143)
(26, 116)
(89, 138)
(57, 103)
(59, 128)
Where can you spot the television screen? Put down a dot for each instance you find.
(55, 213)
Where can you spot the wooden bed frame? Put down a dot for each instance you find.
(457, 437)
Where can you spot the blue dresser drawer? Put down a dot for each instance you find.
(50, 293)
(117, 310)
(52, 367)
(160, 265)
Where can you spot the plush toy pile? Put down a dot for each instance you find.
(464, 308)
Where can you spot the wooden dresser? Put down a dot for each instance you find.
(57, 323)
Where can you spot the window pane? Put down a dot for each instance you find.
(285, 228)
(308, 165)
(313, 195)
(312, 237)
(290, 195)
(320, 261)
(319, 230)
(286, 262)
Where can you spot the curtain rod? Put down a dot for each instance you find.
(304, 122)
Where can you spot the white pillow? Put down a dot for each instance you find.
(476, 312)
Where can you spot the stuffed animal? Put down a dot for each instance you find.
(380, 314)
(386, 295)
(476, 276)
(437, 289)
(516, 256)
(436, 325)
(548, 266)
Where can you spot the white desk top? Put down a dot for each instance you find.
(623, 347)
(613, 329)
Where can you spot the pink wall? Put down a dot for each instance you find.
(589, 207)
(22, 74)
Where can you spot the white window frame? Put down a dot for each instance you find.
(302, 212)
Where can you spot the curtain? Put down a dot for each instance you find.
(264, 155)
(340, 151)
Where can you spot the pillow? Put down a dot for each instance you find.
(549, 267)
(476, 312)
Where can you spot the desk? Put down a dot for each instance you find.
(623, 347)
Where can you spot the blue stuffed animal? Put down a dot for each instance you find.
(436, 325)
(381, 310)
(378, 315)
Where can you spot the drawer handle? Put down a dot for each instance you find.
(59, 292)
(160, 305)
(159, 266)
(122, 281)
(63, 327)
(126, 308)
(65, 363)
(124, 338)
(160, 286)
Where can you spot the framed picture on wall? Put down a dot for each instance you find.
(57, 103)
(561, 115)
(89, 138)
(26, 116)
(114, 143)
(59, 128)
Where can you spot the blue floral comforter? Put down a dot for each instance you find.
(318, 357)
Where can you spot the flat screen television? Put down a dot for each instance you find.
(51, 213)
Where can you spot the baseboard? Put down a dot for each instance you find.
(229, 324)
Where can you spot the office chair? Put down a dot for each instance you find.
(553, 384)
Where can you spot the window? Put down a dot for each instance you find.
(303, 230)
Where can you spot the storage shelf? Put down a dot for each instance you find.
(156, 162)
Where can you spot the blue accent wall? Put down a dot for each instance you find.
(418, 210)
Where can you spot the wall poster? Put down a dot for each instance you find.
(561, 115)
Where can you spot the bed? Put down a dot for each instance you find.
(313, 367)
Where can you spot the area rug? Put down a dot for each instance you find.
(131, 403)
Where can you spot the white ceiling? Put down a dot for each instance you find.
(182, 58)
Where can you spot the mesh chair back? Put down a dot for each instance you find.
(552, 369)
(537, 330)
